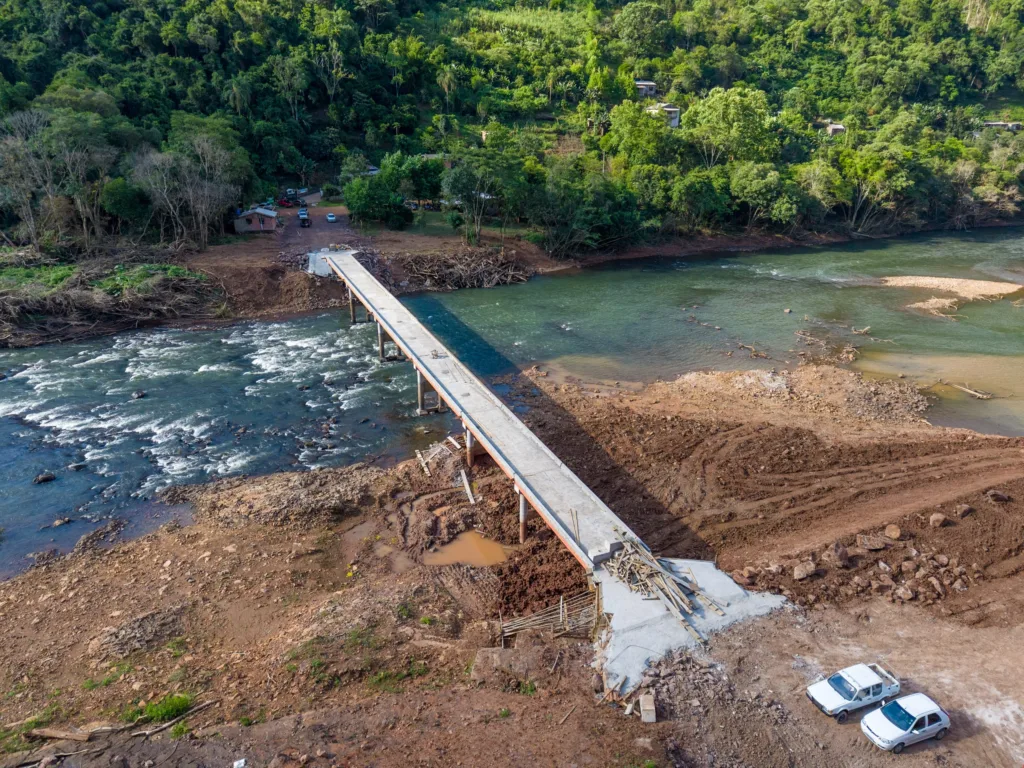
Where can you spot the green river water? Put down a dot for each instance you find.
(643, 320)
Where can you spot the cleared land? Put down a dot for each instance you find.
(306, 593)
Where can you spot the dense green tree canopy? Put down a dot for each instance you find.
(164, 114)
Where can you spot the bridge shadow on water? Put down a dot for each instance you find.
(562, 431)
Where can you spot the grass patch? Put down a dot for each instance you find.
(504, 712)
(14, 739)
(142, 277)
(527, 688)
(361, 638)
(387, 681)
(403, 611)
(177, 647)
(169, 707)
(48, 278)
(113, 675)
(179, 730)
(427, 620)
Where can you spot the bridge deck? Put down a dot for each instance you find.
(550, 487)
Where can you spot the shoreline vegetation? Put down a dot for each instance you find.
(140, 133)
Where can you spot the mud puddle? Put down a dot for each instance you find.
(468, 548)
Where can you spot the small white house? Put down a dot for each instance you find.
(835, 129)
(255, 220)
(669, 111)
(646, 89)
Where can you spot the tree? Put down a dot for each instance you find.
(761, 188)
(642, 26)
(732, 124)
(292, 79)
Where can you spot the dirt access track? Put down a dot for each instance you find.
(300, 603)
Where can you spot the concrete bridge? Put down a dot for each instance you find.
(638, 630)
(583, 523)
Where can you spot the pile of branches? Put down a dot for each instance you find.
(77, 309)
(468, 268)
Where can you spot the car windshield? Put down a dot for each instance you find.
(842, 687)
(898, 716)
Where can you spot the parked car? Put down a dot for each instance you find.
(284, 203)
(305, 222)
(905, 721)
(331, 218)
(303, 191)
(851, 689)
(289, 192)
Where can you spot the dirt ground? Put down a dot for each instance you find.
(301, 604)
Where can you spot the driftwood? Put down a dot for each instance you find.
(59, 735)
(462, 269)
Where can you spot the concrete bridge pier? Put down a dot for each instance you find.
(382, 339)
(423, 388)
(473, 448)
(353, 300)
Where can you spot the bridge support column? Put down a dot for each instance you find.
(351, 305)
(380, 342)
(472, 446)
(523, 512)
(420, 384)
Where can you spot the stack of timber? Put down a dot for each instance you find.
(642, 572)
(575, 615)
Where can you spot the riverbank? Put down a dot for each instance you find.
(296, 592)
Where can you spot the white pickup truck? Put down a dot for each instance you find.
(851, 689)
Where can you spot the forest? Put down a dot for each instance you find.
(147, 121)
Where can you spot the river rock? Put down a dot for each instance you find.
(44, 477)
(138, 394)
(908, 567)
(937, 520)
(870, 543)
(903, 593)
(61, 521)
(942, 560)
(963, 510)
(893, 532)
(78, 466)
(997, 496)
(804, 571)
(959, 585)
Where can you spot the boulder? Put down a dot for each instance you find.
(871, 543)
(963, 510)
(937, 585)
(836, 555)
(903, 593)
(44, 477)
(937, 520)
(997, 496)
(908, 567)
(893, 532)
(804, 571)
(959, 585)
(742, 579)
(138, 394)
(941, 560)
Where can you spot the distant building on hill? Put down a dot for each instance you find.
(646, 89)
(835, 129)
(669, 111)
(1002, 125)
(255, 220)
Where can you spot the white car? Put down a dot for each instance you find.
(905, 721)
(851, 689)
(331, 218)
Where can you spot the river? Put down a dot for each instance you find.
(308, 392)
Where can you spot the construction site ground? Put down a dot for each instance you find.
(301, 604)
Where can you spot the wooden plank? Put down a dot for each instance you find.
(465, 484)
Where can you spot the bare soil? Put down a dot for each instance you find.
(300, 603)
